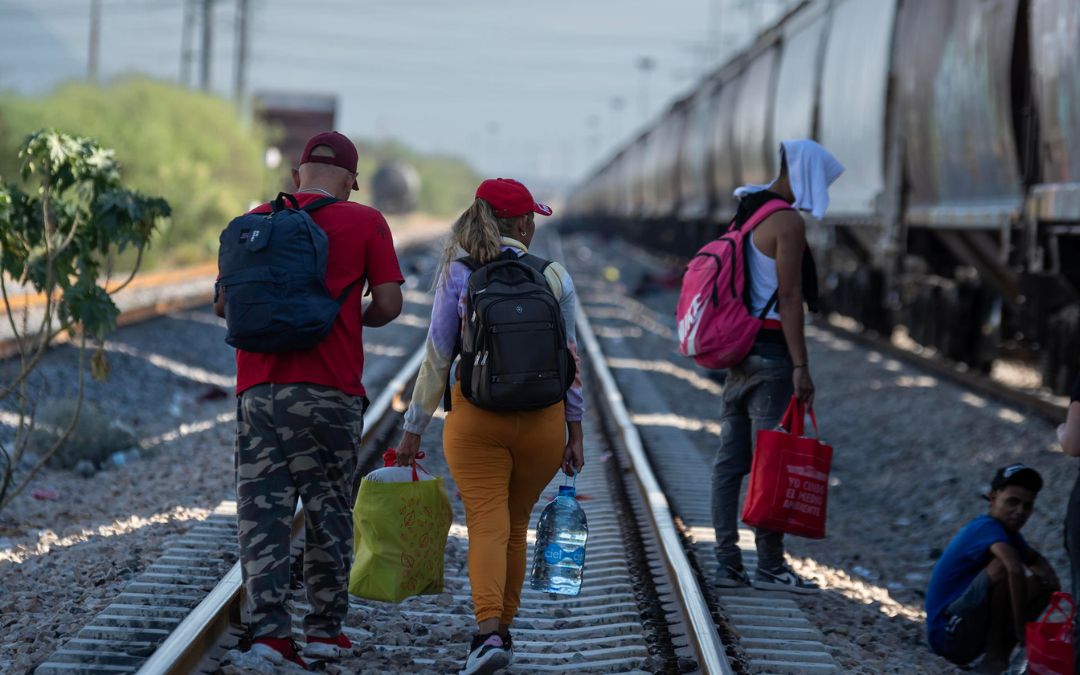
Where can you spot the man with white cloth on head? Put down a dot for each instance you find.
(781, 276)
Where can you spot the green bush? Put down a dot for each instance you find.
(191, 148)
(195, 151)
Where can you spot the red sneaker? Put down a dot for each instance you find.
(327, 648)
(277, 651)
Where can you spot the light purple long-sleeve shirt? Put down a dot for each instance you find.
(444, 333)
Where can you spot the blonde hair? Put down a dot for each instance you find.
(478, 232)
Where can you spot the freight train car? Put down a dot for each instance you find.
(958, 217)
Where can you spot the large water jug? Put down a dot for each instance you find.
(559, 553)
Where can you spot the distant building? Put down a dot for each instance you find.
(293, 118)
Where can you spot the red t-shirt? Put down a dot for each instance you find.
(360, 248)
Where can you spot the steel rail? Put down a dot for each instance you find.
(702, 633)
(145, 280)
(208, 622)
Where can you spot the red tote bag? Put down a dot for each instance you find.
(1050, 639)
(789, 478)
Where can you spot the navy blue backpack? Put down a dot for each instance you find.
(273, 274)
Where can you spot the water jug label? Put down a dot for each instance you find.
(554, 554)
(578, 556)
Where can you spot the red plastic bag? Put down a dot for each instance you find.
(789, 478)
(1050, 639)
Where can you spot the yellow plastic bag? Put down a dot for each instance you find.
(399, 537)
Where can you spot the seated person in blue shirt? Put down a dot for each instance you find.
(980, 595)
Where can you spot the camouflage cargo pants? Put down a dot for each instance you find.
(296, 440)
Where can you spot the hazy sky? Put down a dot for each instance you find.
(519, 89)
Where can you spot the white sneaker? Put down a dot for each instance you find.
(783, 579)
(486, 655)
(264, 658)
(328, 648)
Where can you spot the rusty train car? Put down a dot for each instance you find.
(959, 124)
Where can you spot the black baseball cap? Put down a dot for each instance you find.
(1017, 474)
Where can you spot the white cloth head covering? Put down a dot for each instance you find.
(811, 170)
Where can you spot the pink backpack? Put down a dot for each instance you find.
(715, 325)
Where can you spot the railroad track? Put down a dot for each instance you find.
(1051, 408)
(187, 603)
(647, 604)
(640, 610)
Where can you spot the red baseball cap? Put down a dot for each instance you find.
(510, 198)
(344, 152)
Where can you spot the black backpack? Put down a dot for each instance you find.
(273, 274)
(513, 347)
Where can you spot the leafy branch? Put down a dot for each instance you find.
(54, 239)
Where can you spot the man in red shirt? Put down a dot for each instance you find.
(300, 417)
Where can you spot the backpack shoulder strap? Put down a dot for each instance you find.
(446, 403)
(764, 211)
(279, 202)
(473, 264)
(541, 266)
(319, 203)
(536, 262)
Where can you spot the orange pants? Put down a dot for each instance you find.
(501, 462)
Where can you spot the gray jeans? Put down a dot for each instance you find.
(756, 393)
(967, 622)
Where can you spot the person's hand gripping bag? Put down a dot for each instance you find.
(789, 478)
(400, 521)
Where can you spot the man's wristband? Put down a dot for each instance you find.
(801, 365)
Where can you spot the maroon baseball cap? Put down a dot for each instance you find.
(510, 198)
(344, 152)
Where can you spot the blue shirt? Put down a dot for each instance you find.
(967, 555)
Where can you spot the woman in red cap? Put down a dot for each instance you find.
(501, 460)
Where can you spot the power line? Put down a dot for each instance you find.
(27, 14)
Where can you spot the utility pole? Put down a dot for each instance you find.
(240, 75)
(187, 40)
(207, 44)
(95, 40)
